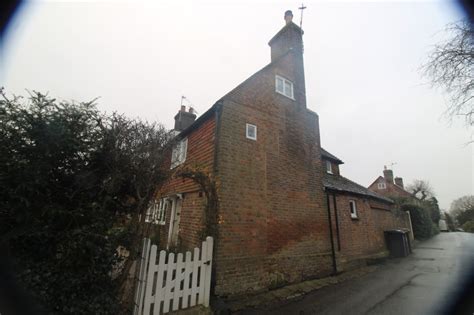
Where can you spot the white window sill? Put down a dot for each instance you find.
(291, 98)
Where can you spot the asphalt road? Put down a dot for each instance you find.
(424, 283)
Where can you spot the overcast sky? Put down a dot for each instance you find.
(361, 62)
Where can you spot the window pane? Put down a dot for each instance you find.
(175, 153)
(251, 131)
(328, 167)
(279, 85)
(288, 89)
(184, 149)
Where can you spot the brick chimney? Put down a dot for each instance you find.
(399, 182)
(388, 175)
(184, 119)
(290, 39)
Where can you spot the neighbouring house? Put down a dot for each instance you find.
(390, 187)
(251, 172)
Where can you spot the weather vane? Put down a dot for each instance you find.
(301, 19)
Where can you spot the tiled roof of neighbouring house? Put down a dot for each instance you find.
(329, 156)
(339, 183)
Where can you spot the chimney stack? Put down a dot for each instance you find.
(399, 182)
(388, 175)
(184, 119)
(289, 41)
(288, 38)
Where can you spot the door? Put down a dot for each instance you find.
(176, 220)
(173, 234)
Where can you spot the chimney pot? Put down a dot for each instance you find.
(183, 108)
(288, 16)
(191, 110)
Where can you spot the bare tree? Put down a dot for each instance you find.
(421, 189)
(451, 67)
(462, 204)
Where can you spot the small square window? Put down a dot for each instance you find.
(284, 86)
(328, 167)
(251, 132)
(353, 207)
(381, 185)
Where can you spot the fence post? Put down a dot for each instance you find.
(207, 280)
(139, 295)
(149, 281)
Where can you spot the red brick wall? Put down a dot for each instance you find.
(274, 226)
(200, 155)
(363, 237)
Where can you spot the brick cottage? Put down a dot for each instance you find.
(251, 172)
(390, 187)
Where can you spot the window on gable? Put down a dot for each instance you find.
(251, 131)
(178, 155)
(381, 185)
(156, 213)
(328, 167)
(284, 86)
(353, 207)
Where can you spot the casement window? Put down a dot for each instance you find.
(353, 207)
(284, 86)
(178, 155)
(251, 131)
(156, 213)
(328, 167)
(381, 185)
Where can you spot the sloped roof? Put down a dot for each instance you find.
(393, 185)
(201, 119)
(342, 184)
(329, 156)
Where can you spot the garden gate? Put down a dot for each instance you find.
(175, 281)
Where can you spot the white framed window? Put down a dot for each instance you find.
(353, 207)
(328, 167)
(284, 86)
(156, 213)
(178, 155)
(381, 185)
(251, 131)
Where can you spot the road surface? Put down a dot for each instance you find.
(422, 283)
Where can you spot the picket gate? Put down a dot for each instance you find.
(175, 281)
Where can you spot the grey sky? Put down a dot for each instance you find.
(361, 61)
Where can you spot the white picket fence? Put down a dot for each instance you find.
(169, 284)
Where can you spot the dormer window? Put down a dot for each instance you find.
(178, 155)
(381, 185)
(284, 87)
(329, 167)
